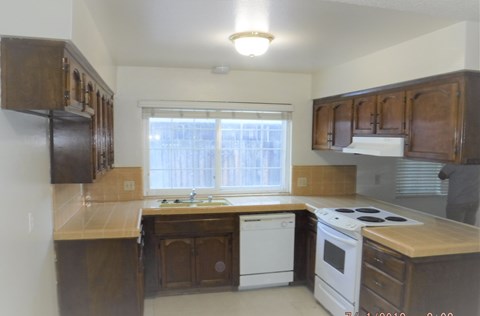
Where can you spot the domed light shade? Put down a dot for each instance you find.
(251, 43)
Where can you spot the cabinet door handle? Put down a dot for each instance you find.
(378, 260)
(66, 73)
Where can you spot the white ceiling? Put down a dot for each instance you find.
(309, 34)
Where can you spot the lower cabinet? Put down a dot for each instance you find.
(102, 277)
(311, 248)
(191, 253)
(195, 262)
(398, 285)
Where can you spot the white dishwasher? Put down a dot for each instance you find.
(266, 250)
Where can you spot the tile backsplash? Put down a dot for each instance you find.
(67, 200)
(118, 184)
(324, 180)
(125, 184)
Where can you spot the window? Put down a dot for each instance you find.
(417, 178)
(216, 151)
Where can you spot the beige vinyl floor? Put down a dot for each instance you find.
(279, 301)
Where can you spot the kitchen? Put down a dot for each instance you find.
(26, 136)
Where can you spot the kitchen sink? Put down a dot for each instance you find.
(194, 203)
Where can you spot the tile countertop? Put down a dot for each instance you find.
(437, 236)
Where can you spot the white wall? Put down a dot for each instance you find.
(59, 19)
(27, 269)
(136, 83)
(453, 48)
(33, 18)
(90, 42)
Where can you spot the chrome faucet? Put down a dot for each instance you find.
(193, 194)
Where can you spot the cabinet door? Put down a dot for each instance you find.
(213, 261)
(74, 84)
(322, 131)
(432, 122)
(342, 117)
(109, 133)
(364, 115)
(390, 116)
(177, 263)
(99, 277)
(31, 76)
(70, 148)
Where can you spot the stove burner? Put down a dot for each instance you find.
(344, 210)
(370, 219)
(367, 210)
(395, 219)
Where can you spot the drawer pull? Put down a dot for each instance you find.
(378, 260)
(378, 284)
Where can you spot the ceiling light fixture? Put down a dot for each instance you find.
(251, 43)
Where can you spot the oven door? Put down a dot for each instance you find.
(337, 261)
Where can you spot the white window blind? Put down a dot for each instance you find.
(418, 178)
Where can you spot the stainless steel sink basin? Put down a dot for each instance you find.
(194, 203)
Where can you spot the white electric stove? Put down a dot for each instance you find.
(354, 218)
(339, 253)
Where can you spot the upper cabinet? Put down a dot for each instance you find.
(382, 114)
(332, 124)
(438, 116)
(53, 79)
(43, 75)
(433, 122)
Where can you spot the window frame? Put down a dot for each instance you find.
(218, 190)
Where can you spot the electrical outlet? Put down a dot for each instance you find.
(129, 185)
(301, 182)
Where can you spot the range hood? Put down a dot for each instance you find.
(376, 146)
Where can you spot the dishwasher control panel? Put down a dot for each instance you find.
(267, 221)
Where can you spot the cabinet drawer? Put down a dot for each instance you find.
(384, 259)
(374, 304)
(194, 226)
(383, 284)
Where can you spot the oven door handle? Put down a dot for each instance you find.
(343, 240)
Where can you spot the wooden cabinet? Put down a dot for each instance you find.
(195, 262)
(332, 124)
(52, 79)
(438, 116)
(43, 75)
(102, 133)
(177, 262)
(100, 277)
(311, 243)
(305, 248)
(191, 253)
(390, 115)
(382, 114)
(393, 283)
(433, 122)
(322, 133)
